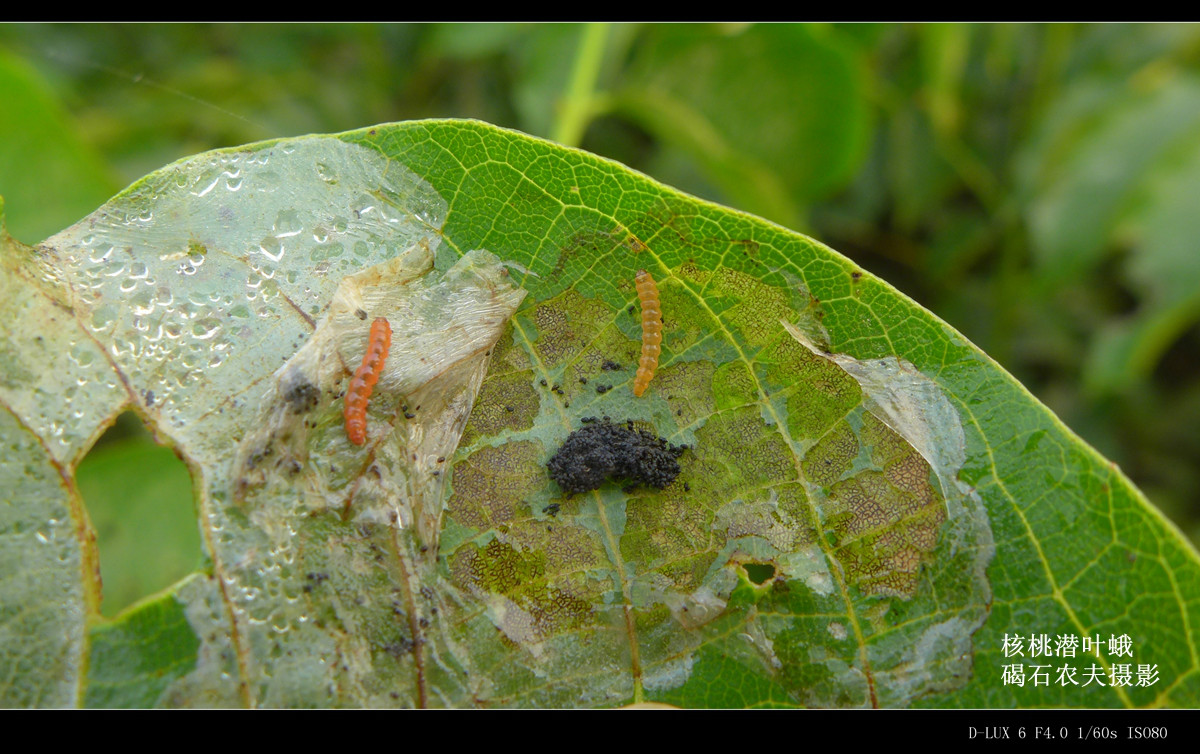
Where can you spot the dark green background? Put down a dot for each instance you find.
(1035, 186)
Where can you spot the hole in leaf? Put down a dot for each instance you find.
(759, 573)
(139, 497)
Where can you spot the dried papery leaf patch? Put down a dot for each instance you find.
(180, 297)
(444, 328)
(296, 469)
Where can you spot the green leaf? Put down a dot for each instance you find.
(1089, 160)
(134, 661)
(47, 174)
(867, 506)
(1116, 166)
(773, 113)
(1164, 269)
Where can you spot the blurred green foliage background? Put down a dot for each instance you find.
(1037, 186)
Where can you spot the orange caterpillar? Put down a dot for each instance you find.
(651, 331)
(364, 380)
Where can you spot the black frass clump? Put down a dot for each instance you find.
(600, 451)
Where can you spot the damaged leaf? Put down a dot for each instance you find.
(825, 497)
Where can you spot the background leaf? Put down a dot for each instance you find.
(748, 103)
(41, 146)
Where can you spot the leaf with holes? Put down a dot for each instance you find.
(824, 497)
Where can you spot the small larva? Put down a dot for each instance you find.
(363, 382)
(651, 331)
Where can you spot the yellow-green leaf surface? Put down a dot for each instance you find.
(866, 507)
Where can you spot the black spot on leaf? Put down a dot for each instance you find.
(602, 450)
(300, 394)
